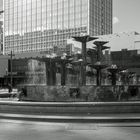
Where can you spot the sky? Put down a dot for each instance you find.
(1, 4)
(126, 15)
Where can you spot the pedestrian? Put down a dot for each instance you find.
(22, 93)
(9, 88)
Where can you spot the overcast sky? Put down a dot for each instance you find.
(126, 15)
(1, 4)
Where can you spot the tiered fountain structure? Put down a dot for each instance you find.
(44, 74)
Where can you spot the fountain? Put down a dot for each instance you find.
(84, 39)
(43, 75)
(36, 73)
(99, 65)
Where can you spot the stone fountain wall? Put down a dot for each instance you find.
(83, 94)
(38, 91)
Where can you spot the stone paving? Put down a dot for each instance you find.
(22, 130)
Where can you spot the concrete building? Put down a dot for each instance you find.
(129, 60)
(3, 70)
(125, 53)
(1, 37)
(38, 25)
(124, 40)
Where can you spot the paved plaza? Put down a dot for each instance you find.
(22, 130)
(20, 126)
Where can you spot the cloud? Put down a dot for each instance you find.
(115, 20)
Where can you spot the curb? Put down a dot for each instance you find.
(72, 108)
(71, 119)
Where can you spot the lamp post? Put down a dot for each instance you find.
(11, 69)
(6, 72)
(11, 65)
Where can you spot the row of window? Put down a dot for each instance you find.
(24, 42)
(47, 33)
(12, 29)
(31, 48)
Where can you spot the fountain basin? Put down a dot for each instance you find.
(81, 94)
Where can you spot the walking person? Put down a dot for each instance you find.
(22, 93)
(9, 88)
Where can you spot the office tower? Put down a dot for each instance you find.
(40, 25)
(1, 37)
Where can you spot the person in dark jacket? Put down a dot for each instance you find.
(9, 88)
(23, 93)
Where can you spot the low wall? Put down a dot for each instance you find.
(72, 108)
(82, 94)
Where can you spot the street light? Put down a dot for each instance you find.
(11, 68)
(6, 72)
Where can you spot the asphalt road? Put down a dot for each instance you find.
(28, 130)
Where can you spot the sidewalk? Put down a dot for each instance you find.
(10, 99)
(88, 112)
(4, 93)
(5, 90)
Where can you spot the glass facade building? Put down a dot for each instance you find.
(1, 37)
(38, 25)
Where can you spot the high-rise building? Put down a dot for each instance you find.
(1, 37)
(38, 25)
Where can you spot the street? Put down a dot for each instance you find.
(28, 130)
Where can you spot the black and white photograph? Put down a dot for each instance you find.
(69, 70)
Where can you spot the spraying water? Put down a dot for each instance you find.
(36, 72)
